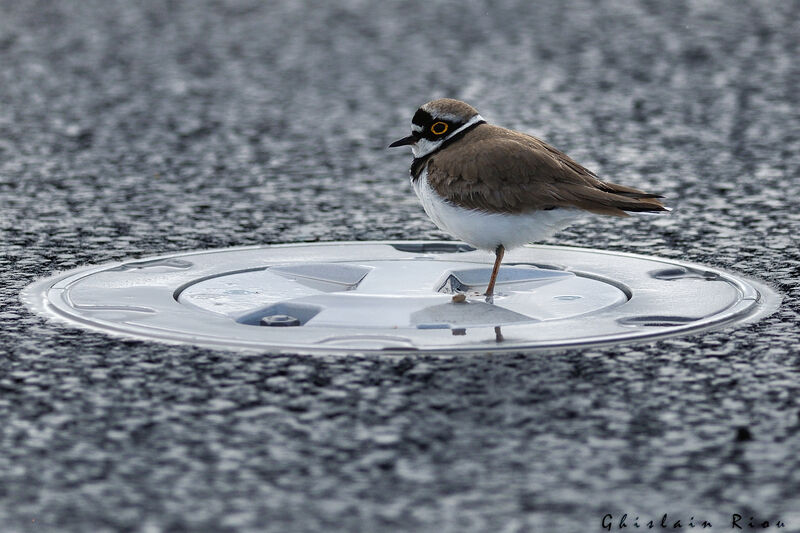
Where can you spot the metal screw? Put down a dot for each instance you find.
(280, 321)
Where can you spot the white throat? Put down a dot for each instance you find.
(423, 147)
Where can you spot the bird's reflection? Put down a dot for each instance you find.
(460, 332)
(498, 335)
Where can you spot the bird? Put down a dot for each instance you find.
(497, 189)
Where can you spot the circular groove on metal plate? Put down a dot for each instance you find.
(356, 297)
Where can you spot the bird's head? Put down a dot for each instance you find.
(436, 122)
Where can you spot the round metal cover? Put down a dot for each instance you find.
(357, 297)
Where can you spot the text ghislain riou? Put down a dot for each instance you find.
(737, 521)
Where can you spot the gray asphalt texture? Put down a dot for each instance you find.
(130, 129)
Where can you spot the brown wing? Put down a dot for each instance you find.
(495, 169)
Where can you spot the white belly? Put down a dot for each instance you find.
(486, 231)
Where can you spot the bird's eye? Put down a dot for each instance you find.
(437, 128)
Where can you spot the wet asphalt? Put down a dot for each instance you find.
(130, 129)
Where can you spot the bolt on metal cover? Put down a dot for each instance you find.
(358, 297)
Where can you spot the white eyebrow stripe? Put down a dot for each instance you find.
(470, 122)
(444, 116)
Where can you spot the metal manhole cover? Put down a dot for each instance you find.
(398, 296)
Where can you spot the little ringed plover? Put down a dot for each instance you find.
(496, 188)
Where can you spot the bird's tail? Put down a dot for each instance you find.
(612, 199)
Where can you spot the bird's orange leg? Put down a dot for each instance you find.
(499, 252)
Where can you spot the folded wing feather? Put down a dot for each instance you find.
(515, 173)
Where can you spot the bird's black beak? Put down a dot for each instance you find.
(405, 141)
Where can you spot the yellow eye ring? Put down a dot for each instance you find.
(437, 128)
